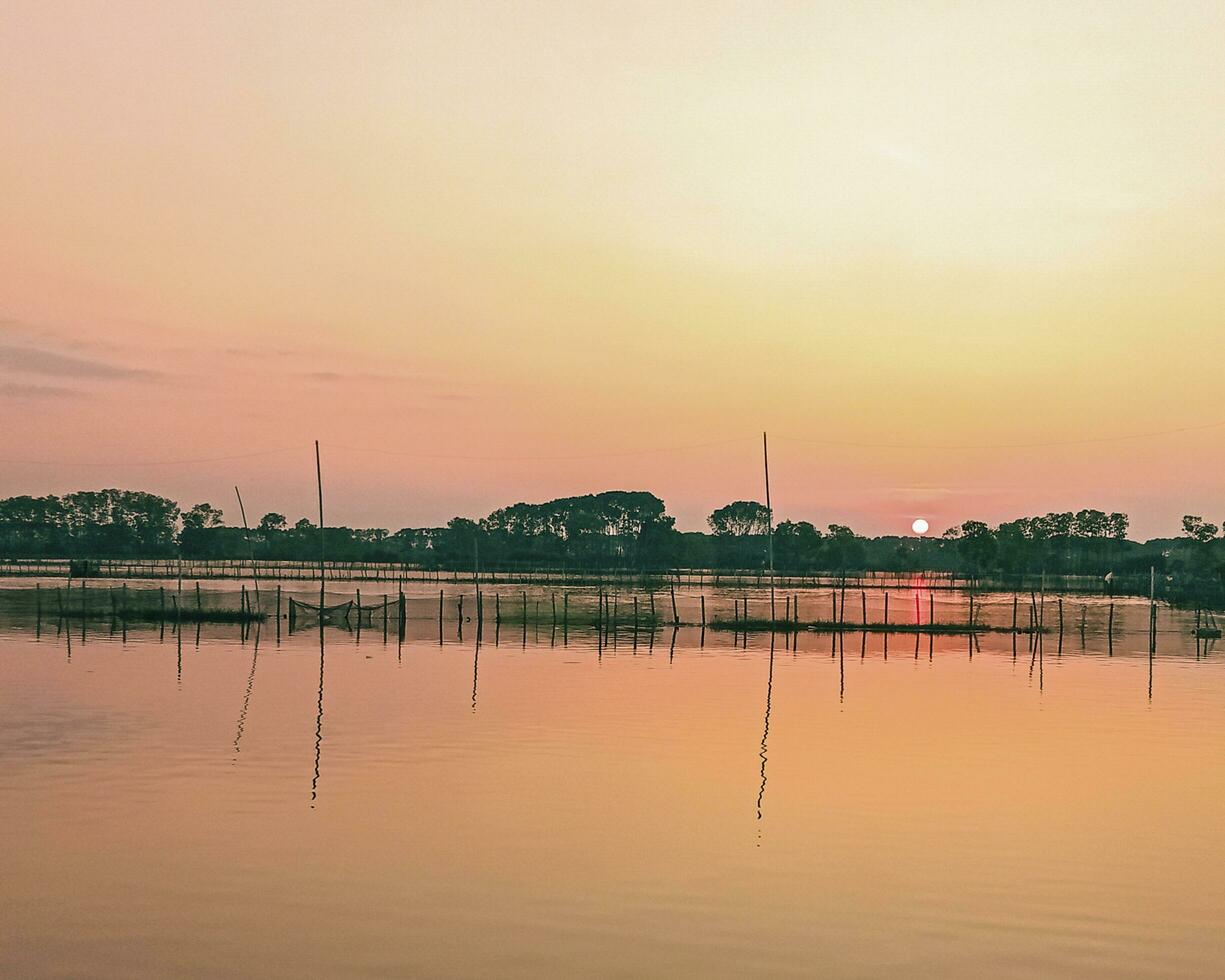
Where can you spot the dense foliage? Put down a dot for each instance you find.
(615, 529)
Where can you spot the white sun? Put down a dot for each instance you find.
(920, 526)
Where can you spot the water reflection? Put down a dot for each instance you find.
(318, 719)
(1119, 633)
(842, 672)
(246, 698)
(1067, 895)
(765, 736)
(476, 666)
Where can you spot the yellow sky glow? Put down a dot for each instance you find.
(561, 230)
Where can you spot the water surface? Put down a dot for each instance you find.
(692, 805)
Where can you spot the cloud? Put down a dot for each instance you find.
(32, 360)
(332, 377)
(13, 389)
(428, 388)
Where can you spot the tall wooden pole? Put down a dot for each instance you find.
(319, 481)
(476, 583)
(246, 531)
(765, 455)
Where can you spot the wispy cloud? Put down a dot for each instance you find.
(335, 377)
(33, 360)
(428, 388)
(13, 389)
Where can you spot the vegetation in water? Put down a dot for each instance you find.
(159, 614)
(765, 625)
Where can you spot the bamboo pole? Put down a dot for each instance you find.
(765, 453)
(476, 582)
(246, 531)
(322, 571)
(1042, 605)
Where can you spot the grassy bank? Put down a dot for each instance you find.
(158, 614)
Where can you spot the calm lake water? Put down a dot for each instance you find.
(697, 806)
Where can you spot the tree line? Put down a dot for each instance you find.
(616, 529)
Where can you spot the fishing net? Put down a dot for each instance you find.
(348, 615)
(304, 614)
(367, 616)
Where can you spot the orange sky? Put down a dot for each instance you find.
(543, 237)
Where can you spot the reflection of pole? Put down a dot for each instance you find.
(765, 453)
(246, 700)
(1150, 673)
(476, 664)
(765, 734)
(318, 720)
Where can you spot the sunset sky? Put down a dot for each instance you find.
(961, 260)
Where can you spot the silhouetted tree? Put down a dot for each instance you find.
(272, 523)
(1197, 529)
